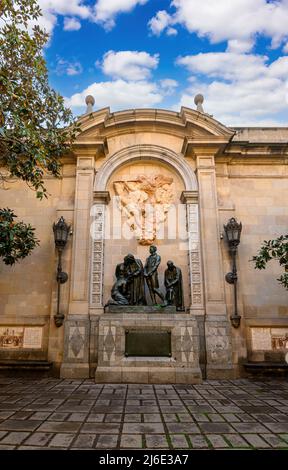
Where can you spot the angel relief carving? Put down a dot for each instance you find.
(145, 202)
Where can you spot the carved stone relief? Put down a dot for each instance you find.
(145, 202)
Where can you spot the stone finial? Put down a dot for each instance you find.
(199, 100)
(90, 101)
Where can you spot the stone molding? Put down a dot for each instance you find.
(146, 152)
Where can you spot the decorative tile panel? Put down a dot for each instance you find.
(97, 255)
(196, 283)
(76, 342)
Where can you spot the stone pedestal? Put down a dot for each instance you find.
(181, 367)
(218, 348)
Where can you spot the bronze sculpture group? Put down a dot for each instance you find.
(129, 288)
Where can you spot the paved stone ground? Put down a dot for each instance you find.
(79, 414)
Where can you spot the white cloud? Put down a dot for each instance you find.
(244, 89)
(64, 67)
(52, 8)
(107, 10)
(129, 65)
(71, 24)
(119, 94)
(240, 45)
(171, 31)
(103, 12)
(168, 85)
(227, 20)
(285, 48)
(160, 22)
(226, 65)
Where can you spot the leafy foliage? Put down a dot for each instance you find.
(35, 127)
(17, 239)
(274, 249)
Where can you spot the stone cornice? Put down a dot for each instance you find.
(248, 150)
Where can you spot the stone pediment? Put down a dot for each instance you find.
(187, 123)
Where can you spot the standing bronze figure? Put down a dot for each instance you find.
(135, 280)
(174, 286)
(151, 275)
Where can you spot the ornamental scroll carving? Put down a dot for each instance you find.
(145, 201)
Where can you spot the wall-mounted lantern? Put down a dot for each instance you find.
(233, 233)
(61, 231)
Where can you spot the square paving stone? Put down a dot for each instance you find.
(282, 418)
(23, 447)
(132, 418)
(219, 428)
(5, 414)
(257, 409)
(215, 418)
(284, 437)
(19, 425)
(130, 441)
(249, 427)
(58, 426)
(101, 428)
(22, 415)
(274, 441)
(15, 438)
(77, 417)
(256, 441)
(140, 409)
(107, 442)
(182, 428)
(85, 441)
(61, 440)
(217, 441)
(113, 418)
(39, 439)
(40, 415)
(274, 427)
(264, 418)
(2, 434)
(200, 417)
(95, 418)
(179, 441)
(108, 409)
(201, 408)
(152, 418)
(58, 416)
(185, 418)
(142, 428)
(170, 418)
(237, 441)
(156, 441)
(7, 447)
(244, 418)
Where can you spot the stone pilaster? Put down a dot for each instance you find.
(217, 326)
(77, 324)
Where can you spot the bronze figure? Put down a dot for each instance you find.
(151, 275)
(119, 292)
(174, 286)
(135, 280)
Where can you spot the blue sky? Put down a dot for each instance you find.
(158, 53)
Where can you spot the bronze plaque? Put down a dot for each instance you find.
(148, 343)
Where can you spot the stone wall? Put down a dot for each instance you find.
(257, 195)
(27, 289)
